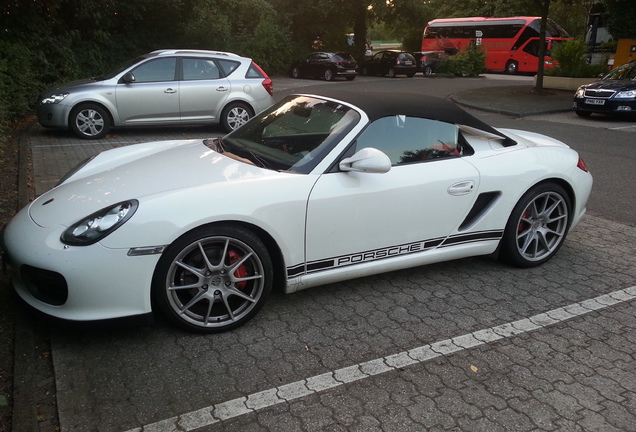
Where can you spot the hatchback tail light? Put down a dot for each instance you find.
(269, 86)
(267, 83)
(581, 164)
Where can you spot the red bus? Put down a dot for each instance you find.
(512, 44)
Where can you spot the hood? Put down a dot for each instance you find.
(612, 85)
(67, 87)
(136, 172)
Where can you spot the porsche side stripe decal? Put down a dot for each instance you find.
(393, 251)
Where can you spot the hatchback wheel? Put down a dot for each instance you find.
(90, 121)
(235, 115)
(295, 72)
(391, 73)
(213, 279)
(428, 70)
(537, 226)
(329, 75)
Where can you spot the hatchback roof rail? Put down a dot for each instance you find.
(193, 51)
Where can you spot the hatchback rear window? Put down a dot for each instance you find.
(228, 66)
(254, 72)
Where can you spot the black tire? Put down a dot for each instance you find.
(329, 75)
(213, 279)
(537, 226)
(351, 78)
(89, 121)
(583, 113)
(391, 73)
(235, 115)
(364, 71)
(410, 75)
(512, 67)
(295, 72)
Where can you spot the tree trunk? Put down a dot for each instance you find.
(545, 9)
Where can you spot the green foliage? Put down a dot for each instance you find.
(468, 63)
(621, 18)
(570, 58)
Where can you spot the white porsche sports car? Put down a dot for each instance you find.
(312, 191)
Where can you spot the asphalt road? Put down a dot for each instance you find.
(467, 345)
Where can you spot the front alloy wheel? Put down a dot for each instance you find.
(213, 279)
(537, 226)
(90, 121)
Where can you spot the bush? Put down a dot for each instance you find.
(570, 60)
(468, 63)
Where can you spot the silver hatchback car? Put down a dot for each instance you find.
(166, 87)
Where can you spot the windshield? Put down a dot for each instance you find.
(119, 68)
(294, 135)
(625, 72)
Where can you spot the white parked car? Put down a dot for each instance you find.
(312, 191)
(161, 88)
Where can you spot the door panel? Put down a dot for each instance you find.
(353, 213)
(153, 97)
(203, 90)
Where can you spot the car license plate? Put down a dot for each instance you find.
(351, 71)
(408, 63)
(595, 101)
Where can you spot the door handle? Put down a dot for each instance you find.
(222, 89)
(169, 90)
(461, 188)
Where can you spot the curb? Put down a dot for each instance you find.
(515, 114)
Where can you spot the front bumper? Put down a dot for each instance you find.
(84, 283)
(53, 115)
(605, 106)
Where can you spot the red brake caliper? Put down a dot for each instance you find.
(241, 271)
(522, 223)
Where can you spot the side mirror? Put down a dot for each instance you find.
(128, 78)
(368, 160)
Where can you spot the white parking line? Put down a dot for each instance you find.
(296, 390)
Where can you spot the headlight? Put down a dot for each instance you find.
(626, 94)
(53, 99)
(580, 92)
(95, 227)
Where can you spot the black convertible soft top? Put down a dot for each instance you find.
(379, 104)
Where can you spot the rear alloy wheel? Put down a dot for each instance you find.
(537, 226)
(90, 121)
(295, 72)
(428, 70)
(213, 279)
(235, 115)
(512, 67)
(329, 75)
(391, 73)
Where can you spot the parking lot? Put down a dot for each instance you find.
(465, 345)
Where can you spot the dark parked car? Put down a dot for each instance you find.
(615, 93)
(390, 63)
(327, 65)
(427, 61)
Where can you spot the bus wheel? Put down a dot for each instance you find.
(512, 67)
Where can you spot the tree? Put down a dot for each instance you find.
(621, 18)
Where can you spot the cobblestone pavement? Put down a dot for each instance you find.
(575, 375)
(468, 345)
